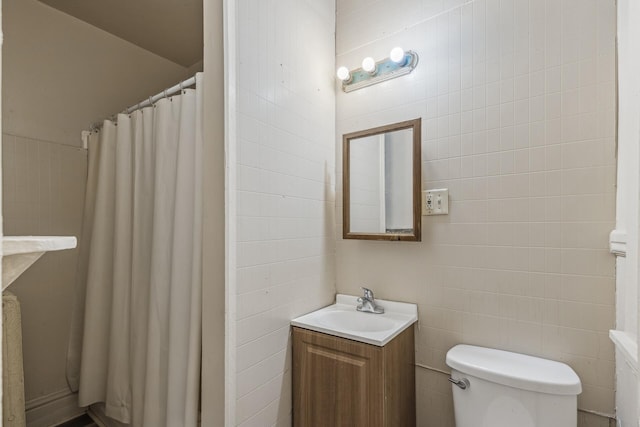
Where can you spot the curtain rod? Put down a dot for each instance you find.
(151, 100)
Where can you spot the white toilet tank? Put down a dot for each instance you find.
(505, 389)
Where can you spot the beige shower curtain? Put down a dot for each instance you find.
(136, 338)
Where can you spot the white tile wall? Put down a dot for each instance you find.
(285, 199)
(365, 184)
(517, 99)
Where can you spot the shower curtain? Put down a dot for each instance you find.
(136, 336)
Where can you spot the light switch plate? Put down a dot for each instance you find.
(435, 202)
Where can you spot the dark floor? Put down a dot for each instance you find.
(81, 421)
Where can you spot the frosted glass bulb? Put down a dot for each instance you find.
(369, 65)
(343, 74)
(397, 55)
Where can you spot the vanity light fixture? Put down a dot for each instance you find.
(399, 63)
(344, 74)
(398, 56)
(369, 65)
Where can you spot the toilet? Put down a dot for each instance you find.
(495, 388)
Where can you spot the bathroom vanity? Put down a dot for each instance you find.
(354, 369)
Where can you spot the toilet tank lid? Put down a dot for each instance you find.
(515, 370)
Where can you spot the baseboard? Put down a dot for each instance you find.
(96, 412)
(53, 409)
(97, 417)
(595, 419)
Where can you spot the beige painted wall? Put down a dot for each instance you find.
(214, 314)
(517, 99)
(59, 76)
(43, 186)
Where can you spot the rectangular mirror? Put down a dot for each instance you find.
(382, 183)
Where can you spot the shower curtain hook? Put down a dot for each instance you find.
(151, 101)
(165, 94)
(181, 88)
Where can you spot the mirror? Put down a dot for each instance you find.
(382, 183)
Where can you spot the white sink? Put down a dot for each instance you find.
(343, 320)
(20, 252)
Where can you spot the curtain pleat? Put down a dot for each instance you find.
(144, 189)
(97, 317)
(141, 339)
(77, 321)
(118, 398)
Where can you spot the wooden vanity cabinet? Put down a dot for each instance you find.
(338, 382)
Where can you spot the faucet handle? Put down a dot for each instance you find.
(368, 293)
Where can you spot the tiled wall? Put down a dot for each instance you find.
(517, 99)
(364, 157)
(285, 191)
(43, 194)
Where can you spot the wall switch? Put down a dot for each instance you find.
(435, 202)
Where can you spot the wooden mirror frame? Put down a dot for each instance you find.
(416, 236)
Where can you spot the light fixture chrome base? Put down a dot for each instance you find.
(385, 70)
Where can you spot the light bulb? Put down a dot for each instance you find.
(397, 55)
(343, 74)
(369, 65)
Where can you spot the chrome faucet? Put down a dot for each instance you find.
(368, 303)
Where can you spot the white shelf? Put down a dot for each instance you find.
(20, 252)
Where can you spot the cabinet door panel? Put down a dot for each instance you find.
(400, 380)
(337, 382)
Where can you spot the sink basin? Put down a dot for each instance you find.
(343, 320)
(354, 321)
(20, 252)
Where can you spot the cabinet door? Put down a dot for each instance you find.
(336, 382)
